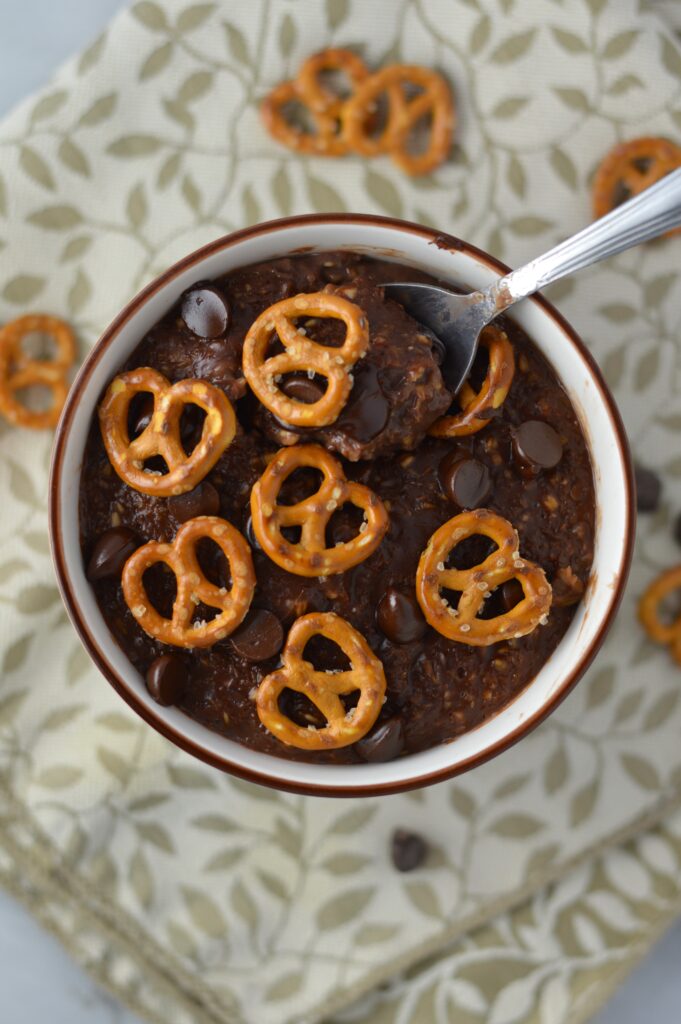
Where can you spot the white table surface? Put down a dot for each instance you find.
(36, 36)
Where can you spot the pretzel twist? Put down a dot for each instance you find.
(477, 583)
(324, 689)
(435, 100)
(19, 371)
(491, 395)
(649, 612)
(304, 354)
(310, 556)
(324, 106)
(162, 435)
(630, 168)
(192, 586)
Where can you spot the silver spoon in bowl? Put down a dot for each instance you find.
(457, 320)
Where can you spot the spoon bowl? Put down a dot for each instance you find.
(457, 320)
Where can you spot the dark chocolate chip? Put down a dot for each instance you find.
(111, 551)
(300, 388)
(536, 446)
(408, 849)
(166, 679)
(368, 409)
(677, 529)
(259, 637)
(466, 481)
(203, 500)
(398, 616)
(385, 742)
(511, 594)
(648, 489)
(219, 363)
(205, 311)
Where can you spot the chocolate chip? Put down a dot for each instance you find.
(368, 409)
(398, 616)
(300, 388)
(465, 481)
(111, 551)
(385, 742)
(203, 500)
(511, 594)
(648, 489)
(408, 850)
(220, 363)
(677, 529)
(166, 679)
(205, 311)
(536, 446)
(259, 637)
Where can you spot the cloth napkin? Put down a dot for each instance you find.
(200, 898)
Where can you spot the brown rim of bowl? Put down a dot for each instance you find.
(444, 241)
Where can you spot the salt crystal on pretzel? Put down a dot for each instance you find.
(324, 689)
(503, 564)
(192, 585)
(310, 556)
(303, 354)
(162, 435)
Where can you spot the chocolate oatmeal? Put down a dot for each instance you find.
(527, 463)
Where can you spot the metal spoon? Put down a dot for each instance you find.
(457, 320)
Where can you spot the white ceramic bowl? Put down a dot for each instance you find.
(450, 260)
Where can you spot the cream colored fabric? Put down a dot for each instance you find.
(181, 887)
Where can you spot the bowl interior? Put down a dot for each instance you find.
(463, 267)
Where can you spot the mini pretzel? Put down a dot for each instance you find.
(302, 353)
(192, 586)
(476, 584)
(18, 371)
(492, 394)
(403, 115)
(162, 435)
(649, 611)
(324, 689)
(630, 168)
(324, 105)
(310, 556)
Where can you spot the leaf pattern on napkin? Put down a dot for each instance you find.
(184, 888)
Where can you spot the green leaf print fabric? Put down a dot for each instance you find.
(200, 898)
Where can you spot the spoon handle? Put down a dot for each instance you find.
(651, 213)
